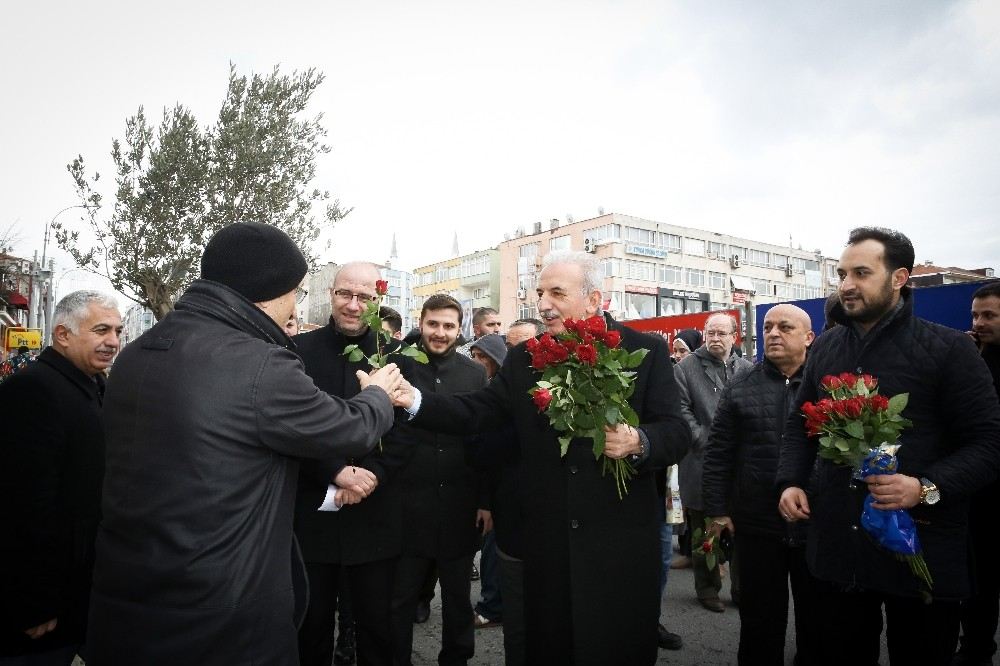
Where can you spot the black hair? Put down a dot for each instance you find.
(440, 302)
(987, 290)
(391, 317)
(481, 313)
(898, 248)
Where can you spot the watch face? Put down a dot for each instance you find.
(933, 496)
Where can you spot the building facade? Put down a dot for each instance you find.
(653, 269)
(317, 306)
(473, 280)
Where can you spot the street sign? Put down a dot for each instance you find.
(23, 337)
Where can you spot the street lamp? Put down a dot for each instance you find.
(44, 310)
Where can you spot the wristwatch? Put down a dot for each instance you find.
(929, 493)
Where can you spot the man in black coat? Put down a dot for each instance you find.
(980, 612)
(51, 469)
(591, 559)
(440, 490)
(951, 451)
(739, 493)
(364, 538)
(207, 415)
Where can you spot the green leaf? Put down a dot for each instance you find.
(710, 560)
(600, 438)
(897, 403)
(635, 358)
(543, 384)
(855, 429)
(631, 417)
(355, 355)
(613, 414)
(564, 444)
(841, 444)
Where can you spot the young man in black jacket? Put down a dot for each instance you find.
(440, 494)
(951, 451)
(739, 493)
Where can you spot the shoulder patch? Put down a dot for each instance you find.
(157, 344)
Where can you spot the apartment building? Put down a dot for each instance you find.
(653, 268)
(473, 280)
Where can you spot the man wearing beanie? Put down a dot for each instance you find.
(205, 415)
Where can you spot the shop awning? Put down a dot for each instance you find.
(743, 284)
(16, 300)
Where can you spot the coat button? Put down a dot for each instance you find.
(574, 523)
(858, 370)
(437, 380)
(854, 527)
(573, 469)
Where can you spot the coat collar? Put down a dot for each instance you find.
(218, 301)
(93, 387)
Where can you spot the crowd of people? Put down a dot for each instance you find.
(232, 491)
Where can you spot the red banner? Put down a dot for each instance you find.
(669, 326)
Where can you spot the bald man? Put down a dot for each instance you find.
(740, 494)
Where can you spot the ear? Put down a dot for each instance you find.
(593, 302)
(899, 278)
(61, 335)
(810, 336)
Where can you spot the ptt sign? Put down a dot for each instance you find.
(23, 337)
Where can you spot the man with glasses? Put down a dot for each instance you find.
(701, 377)
(362, 540)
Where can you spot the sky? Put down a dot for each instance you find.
(779, 121)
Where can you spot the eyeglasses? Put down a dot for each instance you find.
(718, 334)
(348, 296)
(300, 294)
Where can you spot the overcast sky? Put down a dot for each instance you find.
(760, 119)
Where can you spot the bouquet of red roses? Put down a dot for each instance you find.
(859, 428)
(855, 419)
(382, 352)
(585, 385)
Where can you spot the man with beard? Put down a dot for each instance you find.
(951, 451)
(701, 377)
(591, 558)
(979, 613)
(361, 540)
(485, 321)
(739, 493)
(440, 496)
(206, 417)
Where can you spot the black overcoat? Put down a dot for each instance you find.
(441, 485)
(591, 560)
(371, 530)
(206, 416)
(954, 442)
(51, 468)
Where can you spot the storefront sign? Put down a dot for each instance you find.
(23, 337)
(645, 251)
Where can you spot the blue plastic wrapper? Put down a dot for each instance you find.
(894, 530)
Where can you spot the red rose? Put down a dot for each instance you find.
(586, 339)
(825, 406)
(612, 339)
(381, 287)
(587, 354)
(548, 342)
(571, 325)
(569, 343)
(853, 407)
(539, 360)
(878, 403)
(541, 397)
(532, 345)
(848, 379)
(558, 354)
(831, 383)
(870, 382)
(596, 325)
(706, 547)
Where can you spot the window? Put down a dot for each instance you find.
(783, 290)
(603, 232)
(717, 280)
(528, 250)
(670, 274)
(477, 265)
(559, 243)
(639, 306)
(719, 306)
(800, 265)
(671, 241)
(671, 306)
(481, 292)
(779, 260)
(758, 257)
(695, 277)
(761, 286)
(737, 251)
(441, 274)
(694, 246)
(527, 310)
(716, 250)
(454, 272)
(426, 278)
(640, 270)
(641, 236)
(611, 267)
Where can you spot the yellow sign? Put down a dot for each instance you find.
(30, 338)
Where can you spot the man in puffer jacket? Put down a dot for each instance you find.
(739, 493)
(951, 450)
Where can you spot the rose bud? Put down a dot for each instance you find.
(706, 547)
(381, 287)
(612, 339)
(541, 397)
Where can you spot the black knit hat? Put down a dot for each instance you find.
(258, 260)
